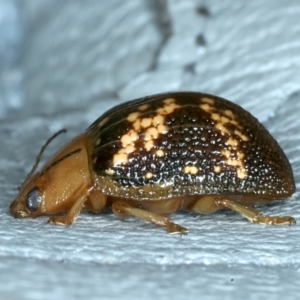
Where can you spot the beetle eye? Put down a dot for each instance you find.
(33, 199)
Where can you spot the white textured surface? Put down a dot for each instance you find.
(11, 33)
(79, 59)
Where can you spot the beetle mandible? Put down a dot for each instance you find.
(158, 155)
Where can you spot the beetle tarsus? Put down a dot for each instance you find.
(275, 220)
(176, 229)
(60, 220)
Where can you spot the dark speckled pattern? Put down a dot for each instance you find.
(191, 139)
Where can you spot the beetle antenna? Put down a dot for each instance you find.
(38, 158)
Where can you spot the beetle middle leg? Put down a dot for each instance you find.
(97, 201)
(123, 209)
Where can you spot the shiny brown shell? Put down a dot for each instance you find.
(186, 143)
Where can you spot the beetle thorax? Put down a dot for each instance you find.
(66, 176)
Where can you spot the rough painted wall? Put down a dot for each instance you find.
(63, 63)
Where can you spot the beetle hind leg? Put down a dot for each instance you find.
(123, 209)
(255, 216)
(209, 204)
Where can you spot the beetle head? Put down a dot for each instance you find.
(29, 201)
(54, 189)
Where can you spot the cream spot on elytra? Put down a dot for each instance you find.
(208, 100)
(190, 170)
(133, 116)
(168, 108)
(102, 122)
(226, 153)
(224, 120)
(240, 155)
(232, 142)
(149, 175)
(146, 122)
(145, 130)
(110, 171)
(143, 107)
(162, 129)
(235, 159)
(233, 122)
(217, 169)
(129, 138)
(242, 173)
(215, 117)
(160, 153)
(158, 119)
(120, 159)
(242, 136)
(220, 127)
(151, 133)
(221, 121)
(137, 124)
(128, 149)
(169, 101)
(149, 145)
(206, 107)
(229, 114)
(221, 118)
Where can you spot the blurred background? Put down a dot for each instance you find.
(64, 63)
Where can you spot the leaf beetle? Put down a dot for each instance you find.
(160, 154)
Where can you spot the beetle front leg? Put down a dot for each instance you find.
(71, 216)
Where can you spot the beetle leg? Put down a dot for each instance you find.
(71, 216)
(123, 209)
(206, 205)
(255, 216)
(210, 204)
(98, 200)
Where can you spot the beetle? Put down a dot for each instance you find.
(160, 154)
